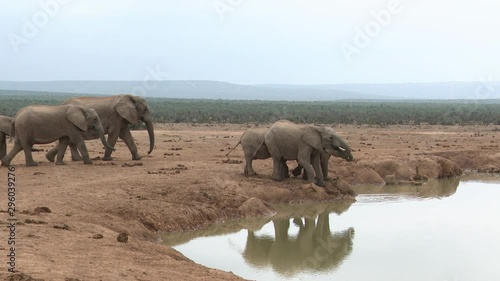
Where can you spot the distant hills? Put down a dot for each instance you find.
(194, 89)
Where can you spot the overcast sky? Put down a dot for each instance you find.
(251, 41)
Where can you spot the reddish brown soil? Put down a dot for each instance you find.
(188, 183)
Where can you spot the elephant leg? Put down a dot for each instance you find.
(27, 154)
(63, 145)
(112, 138)
(324, 158)
(83, 149)
(297, 171)
(51, 154)
(13, 152)
(248, 171)
(317, 169)
(127, 138)
(3, 145)
(277, 169)
(304, 159)
(75, 154)
(285, 170)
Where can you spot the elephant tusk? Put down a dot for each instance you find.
(341, 148)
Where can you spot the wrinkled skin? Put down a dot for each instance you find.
(116, 113)
(4, 132)
(304, 143)
(41, 124)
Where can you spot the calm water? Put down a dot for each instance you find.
(440, 231)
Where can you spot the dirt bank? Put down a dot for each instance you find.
(187, 183)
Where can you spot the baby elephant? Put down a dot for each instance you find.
(41, 124)
(4, 132)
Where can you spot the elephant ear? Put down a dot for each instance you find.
(76, 115)
(312, 136)
(125, 107)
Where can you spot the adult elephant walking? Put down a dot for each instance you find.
(304, 143)
(41, 124)
(4, 132)
(116, 113)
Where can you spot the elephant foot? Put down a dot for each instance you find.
(76, 158)
(320, 183)
(5, 163)
(60, 163)
(251, 173)
(87, 162)
(31, 164)
(107, 158)
(276, 178)
(137, 157)
(49, 157)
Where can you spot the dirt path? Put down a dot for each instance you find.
(186, 184)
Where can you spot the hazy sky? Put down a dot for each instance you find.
(251, 41)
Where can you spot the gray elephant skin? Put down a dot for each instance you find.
(116, 113)
(4, 132)
(41, 124)
(253, 148)
(304, 143)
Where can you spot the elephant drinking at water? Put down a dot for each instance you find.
(304, 143)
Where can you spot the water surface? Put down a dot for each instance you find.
(447, 230)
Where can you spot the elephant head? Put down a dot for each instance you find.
(135, 109)
(86, 119)
(328, 141)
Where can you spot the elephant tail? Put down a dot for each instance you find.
(233, 148)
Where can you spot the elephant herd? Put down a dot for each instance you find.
(310, 145)
(73, 122)
(84, 118)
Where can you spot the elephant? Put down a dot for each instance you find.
(116, 113)
(41, 124)
(313, 247)
(251, 141)
(4, 132)
(304, 143)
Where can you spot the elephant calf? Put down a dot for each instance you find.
(5, 122)
(41, 124)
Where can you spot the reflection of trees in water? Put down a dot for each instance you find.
(431, 189)
(314, 247)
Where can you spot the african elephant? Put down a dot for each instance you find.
(40, 124)
(116, 113)
(251, 141)
(4, 132)
(304, 143)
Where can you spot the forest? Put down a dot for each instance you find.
(372, 112)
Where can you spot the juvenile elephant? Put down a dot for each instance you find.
(304, 143)
(4, 132)
(251, 141)
(40, 124)
(116, 113)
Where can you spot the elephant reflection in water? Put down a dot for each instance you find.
(314, 248)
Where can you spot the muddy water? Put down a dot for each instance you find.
(448, 230)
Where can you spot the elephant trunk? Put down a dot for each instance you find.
(100, 132)
(149, 126)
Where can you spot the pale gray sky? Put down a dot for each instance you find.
(251, 41)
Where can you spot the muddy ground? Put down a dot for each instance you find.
(187, 183)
